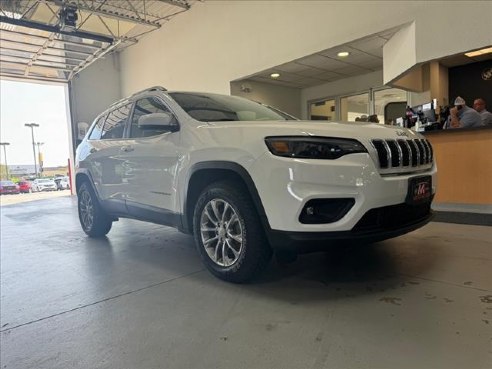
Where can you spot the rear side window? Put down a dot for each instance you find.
(149, 105)
(115, 122)
(96, 131)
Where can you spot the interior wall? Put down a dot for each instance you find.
(94, 89)
(466, 81)
(284, 98)
(217, 42)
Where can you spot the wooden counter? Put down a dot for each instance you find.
(464, 165)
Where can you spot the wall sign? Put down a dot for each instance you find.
(487, 74)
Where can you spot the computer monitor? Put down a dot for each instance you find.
(429, 114)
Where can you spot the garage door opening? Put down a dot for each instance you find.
(36, 137)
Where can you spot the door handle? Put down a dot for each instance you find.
(127, 148)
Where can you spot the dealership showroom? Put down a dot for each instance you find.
(248, 184)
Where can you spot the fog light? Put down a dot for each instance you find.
(320, 211)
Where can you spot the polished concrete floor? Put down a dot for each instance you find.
(141, 299)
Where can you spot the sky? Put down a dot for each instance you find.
(44, 104)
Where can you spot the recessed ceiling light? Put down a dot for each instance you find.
(274, 75)
(343, 54)
(479, 52)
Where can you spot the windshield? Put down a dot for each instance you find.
(7, 183)
(215, 108)
(44, 180)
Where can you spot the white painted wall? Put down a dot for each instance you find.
(217, 41)
(94, 89)
(284, 98)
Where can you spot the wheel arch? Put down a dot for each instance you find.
(83, 175)
(203, 174)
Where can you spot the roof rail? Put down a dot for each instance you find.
(153, 88)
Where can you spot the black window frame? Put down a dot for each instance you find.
(130, 113)
(163, 103)
(94, 125)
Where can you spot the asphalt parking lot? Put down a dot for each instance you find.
(33, 196)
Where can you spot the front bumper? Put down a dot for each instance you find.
(377, 225)
(47, 189)
(286, 185)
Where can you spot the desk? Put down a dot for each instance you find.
(464, 165)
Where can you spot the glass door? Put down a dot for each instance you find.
(355, 108)
(322, 110)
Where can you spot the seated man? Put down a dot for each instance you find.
(461, 116)
(480, 106)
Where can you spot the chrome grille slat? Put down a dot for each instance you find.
(417, 153)
(402, 153)
(388, 152)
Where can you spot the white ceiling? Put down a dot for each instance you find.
(366, 55)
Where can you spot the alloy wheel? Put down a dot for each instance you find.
(86, 209)
(221, 232)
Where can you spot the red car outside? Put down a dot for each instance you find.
(8, 187)
(24, 187)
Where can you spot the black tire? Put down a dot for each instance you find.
(93, 219)
(252, 254)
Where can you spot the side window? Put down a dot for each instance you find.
(149, 105)
(115, 122)
(96, 131)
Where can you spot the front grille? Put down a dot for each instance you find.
(392, 217)
(403, 153)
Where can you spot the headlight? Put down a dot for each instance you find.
(313, 147)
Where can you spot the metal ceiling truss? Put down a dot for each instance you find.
(56, 39)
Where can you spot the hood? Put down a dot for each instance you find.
(356, 130)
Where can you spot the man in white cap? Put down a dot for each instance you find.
(461, 116)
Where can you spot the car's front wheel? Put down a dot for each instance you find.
(93, 219)
(228, 233)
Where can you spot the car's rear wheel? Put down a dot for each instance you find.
(228, 233)
(93, 219)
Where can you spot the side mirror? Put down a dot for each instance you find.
(158, 121)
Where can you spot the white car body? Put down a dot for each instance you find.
(149, 178)
(64, 183)
(43, 184)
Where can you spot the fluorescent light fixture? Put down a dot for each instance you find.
(343, 54)
(487, 50)
(274, 75)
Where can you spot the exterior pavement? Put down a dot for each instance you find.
(141, 299)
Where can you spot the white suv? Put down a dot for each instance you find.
(246, 179)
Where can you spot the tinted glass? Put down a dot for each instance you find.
(115, 122)
(143, 107)
(96, 131)
(214, 108)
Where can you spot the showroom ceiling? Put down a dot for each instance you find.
(365, 56)
(54, 40)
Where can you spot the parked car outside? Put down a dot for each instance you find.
(24, 187)
(43, 184)
(247, 181)
(8, 188)
(62, 183)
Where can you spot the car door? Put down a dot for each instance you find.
(152, 159)
(108, 166)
